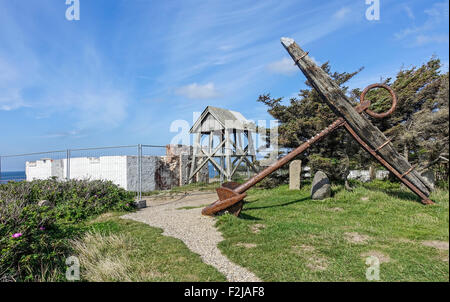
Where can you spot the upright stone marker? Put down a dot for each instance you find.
(295, 170)
(320, 187)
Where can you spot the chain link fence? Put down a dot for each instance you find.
(138, 168)
(123, 165)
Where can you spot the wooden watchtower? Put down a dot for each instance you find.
(229, 142)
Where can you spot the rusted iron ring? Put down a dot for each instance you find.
(365, 104)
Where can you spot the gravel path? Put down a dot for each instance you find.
(194, 229)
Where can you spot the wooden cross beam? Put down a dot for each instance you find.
(244, 157)
(208, 158)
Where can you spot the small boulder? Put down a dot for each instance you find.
(429, 178)
(44, 203)
(321, 187)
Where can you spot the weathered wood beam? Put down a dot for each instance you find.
(208, 158)
(339, 104)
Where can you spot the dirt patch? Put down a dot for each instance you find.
(317, 264)
(246, 245)
(300, 249)
(307, 248)
(256, 228)
(357, 238)
(365, 198)
(440, 245)
(313, 262)
(383, 258)
(405, 240)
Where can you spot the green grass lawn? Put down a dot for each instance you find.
(115, 249)
(283, 235)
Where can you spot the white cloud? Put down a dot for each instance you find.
(204, 43)
(341, 13)
(409, 12)
(105, 109)
(10, 94)
(10, 100)
(425, 39)
(438, 10)
(72, 133)
(426, 33)
(196, 91)
(284, 66)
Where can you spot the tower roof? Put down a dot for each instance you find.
(214, 118)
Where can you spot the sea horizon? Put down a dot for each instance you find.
(6, 176)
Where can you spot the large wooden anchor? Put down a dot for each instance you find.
(231, 194)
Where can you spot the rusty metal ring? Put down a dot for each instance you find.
(365, 104)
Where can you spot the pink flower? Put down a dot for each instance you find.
(127, 204)
(16, 235)
(42, 228)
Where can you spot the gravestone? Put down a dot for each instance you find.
(321, 187)
(295, 170)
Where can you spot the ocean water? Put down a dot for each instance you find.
(12, 176)
(211, 171)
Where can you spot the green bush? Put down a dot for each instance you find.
(442, 184)
(275, 179)
(33, 238)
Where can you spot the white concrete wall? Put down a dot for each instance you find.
(158, 172)
(40, 169)
(84, 168)
(58, 169)
(114, 168)
(364, 175)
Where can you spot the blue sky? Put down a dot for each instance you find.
(127, 69)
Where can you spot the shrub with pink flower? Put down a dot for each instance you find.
(34, 237)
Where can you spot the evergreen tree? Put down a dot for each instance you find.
(419, 124)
